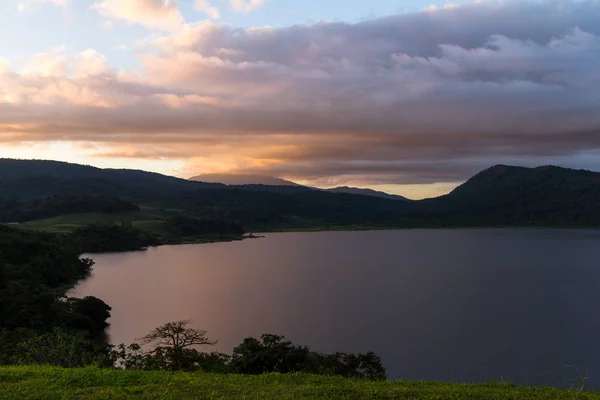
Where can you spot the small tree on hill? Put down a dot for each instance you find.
(176, 335)
(172, 342)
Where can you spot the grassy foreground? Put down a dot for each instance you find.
(92, 383)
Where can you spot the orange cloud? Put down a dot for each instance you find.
(154, 14)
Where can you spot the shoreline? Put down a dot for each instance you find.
(261, 234)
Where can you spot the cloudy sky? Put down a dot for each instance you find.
(411, 97)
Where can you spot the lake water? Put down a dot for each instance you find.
(459, 305)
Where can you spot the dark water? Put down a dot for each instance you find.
(459, 305)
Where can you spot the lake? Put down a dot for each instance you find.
(460, 305)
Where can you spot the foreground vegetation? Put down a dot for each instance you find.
(27, 382)
(36, 271)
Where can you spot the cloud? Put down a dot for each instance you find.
(245, 6)
(5, 66)
(413, 98)
(207, 8)
(26, 5)
(433, 7)
(153, 14)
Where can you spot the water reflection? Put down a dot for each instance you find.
(462, 305)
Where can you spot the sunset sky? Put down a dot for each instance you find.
(411, 97)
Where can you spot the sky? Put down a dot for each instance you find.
(411, 97)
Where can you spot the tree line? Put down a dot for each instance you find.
(173, 347)
(36, 271)
(52, 206)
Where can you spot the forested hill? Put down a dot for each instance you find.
(498, 196)
(31, 179)
(366, 192)
(505, 195)
(564, 183)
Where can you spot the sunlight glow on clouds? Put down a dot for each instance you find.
(159, 14)
(421, 100)
(85, 153)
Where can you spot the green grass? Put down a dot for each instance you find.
(69, 222)
(143, 220)
(21, 383)
(88, 218)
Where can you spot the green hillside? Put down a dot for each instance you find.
(69, 222)
(499, 196)
(515, 196)
(21, 383)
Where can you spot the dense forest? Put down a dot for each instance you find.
(515, 196)
(52, 206)
(103, 238)
(36, 270)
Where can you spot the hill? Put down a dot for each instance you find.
(34, 179)
(256, 207)
(498, 196)
(24, 382)
(243, 179)
(505, 195)
(365, 192)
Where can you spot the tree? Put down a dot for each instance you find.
(365, 366)
(89, 313)
(172, 342)
(60, 348)
(273, 354)
(177, 336)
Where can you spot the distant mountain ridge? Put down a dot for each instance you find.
(243, 179)
(39, 178)
(366, 192)
(235, 179)
(498, 196)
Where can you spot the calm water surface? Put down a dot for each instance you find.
(460, 305)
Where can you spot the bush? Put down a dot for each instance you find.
(112, 237)
(89, 313)
(272, 354)
(61, 349)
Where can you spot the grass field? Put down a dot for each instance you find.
(20, 383)
(144, 220)
(69, 222)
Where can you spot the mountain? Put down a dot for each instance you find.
(267, 183)
(26, 184)
(498, 196)
(508, 195)
(31, 179)
(365, 192)
(243, 179)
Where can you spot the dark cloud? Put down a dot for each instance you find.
(425, 97)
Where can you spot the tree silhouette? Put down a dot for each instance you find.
(176, 335)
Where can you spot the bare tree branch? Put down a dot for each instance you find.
(176, 335)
